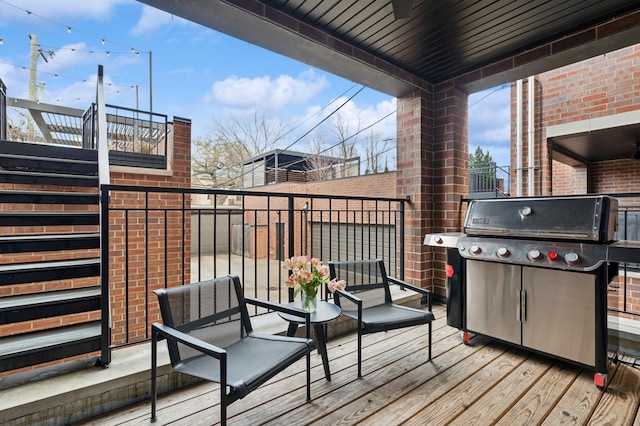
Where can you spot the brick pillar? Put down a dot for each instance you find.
(450, 164)
(414, 178)
(432, 170)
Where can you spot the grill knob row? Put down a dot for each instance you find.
(571, 258)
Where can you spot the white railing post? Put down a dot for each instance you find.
(101, 137)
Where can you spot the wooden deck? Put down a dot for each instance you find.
(483, 383)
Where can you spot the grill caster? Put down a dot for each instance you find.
(465, 337)
(600, 380)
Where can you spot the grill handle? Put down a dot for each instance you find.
(521, 306)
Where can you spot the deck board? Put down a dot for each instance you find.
(500, 399)
(533, 406)
(482, 383)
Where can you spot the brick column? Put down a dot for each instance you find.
(414, 178)
(432, 170)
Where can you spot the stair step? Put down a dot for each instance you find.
(49, 242)
(49, 304)
(19, 273)
(48, 218)
(28, 163)
(28, 349)
(47, 151)
(57, 179)
(48, 197)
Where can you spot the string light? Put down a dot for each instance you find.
(103, 41)
(56, 75)
(71, 49)
(68, 27)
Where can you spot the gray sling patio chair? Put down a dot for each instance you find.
(209, 335)
(367, 299)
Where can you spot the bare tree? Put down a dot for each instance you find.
(219, 156)
(375, 147)
(347, 138)
(318, 165)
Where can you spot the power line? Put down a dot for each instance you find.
(326, 149)
(300, 138)
(487, 95)
(70, 29)
(75, 49)
(319, 111)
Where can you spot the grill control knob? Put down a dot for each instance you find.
(572, 258)
(535, 255)
(504, 252)
(475, 249)
(438, 240)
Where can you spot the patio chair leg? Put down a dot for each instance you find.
(223, 407)
(359, 353)
(308, 377)
(429, 342)
(154, 393)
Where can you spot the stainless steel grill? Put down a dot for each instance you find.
(533, 272)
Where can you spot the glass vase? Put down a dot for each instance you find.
(308, 300)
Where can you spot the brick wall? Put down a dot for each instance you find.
(597, 87)
(147, 268)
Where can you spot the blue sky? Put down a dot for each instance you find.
(197, 73)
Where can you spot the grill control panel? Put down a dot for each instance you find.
(565, 255)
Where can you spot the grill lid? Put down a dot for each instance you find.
(584, 218)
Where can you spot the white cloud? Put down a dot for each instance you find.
(59, 9)
(355, 119)
(265, 93)
(153, 19)
(67, 56)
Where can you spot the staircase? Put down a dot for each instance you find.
(50, 295)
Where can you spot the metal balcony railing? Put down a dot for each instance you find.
(491, 182)
(159, 237)
(136, 138)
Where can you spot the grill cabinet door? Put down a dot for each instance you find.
(560, 313)
(493, 297)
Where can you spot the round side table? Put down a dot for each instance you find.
(324, 313)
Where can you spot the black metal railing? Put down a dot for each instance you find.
(627, 283)
(159, 237)
(136, 138)
(491, 181)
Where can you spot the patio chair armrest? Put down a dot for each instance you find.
(278, 307)
(192, 342)
(423, 291)
(350, 296)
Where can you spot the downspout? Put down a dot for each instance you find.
(519, 138)
(530, 139)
